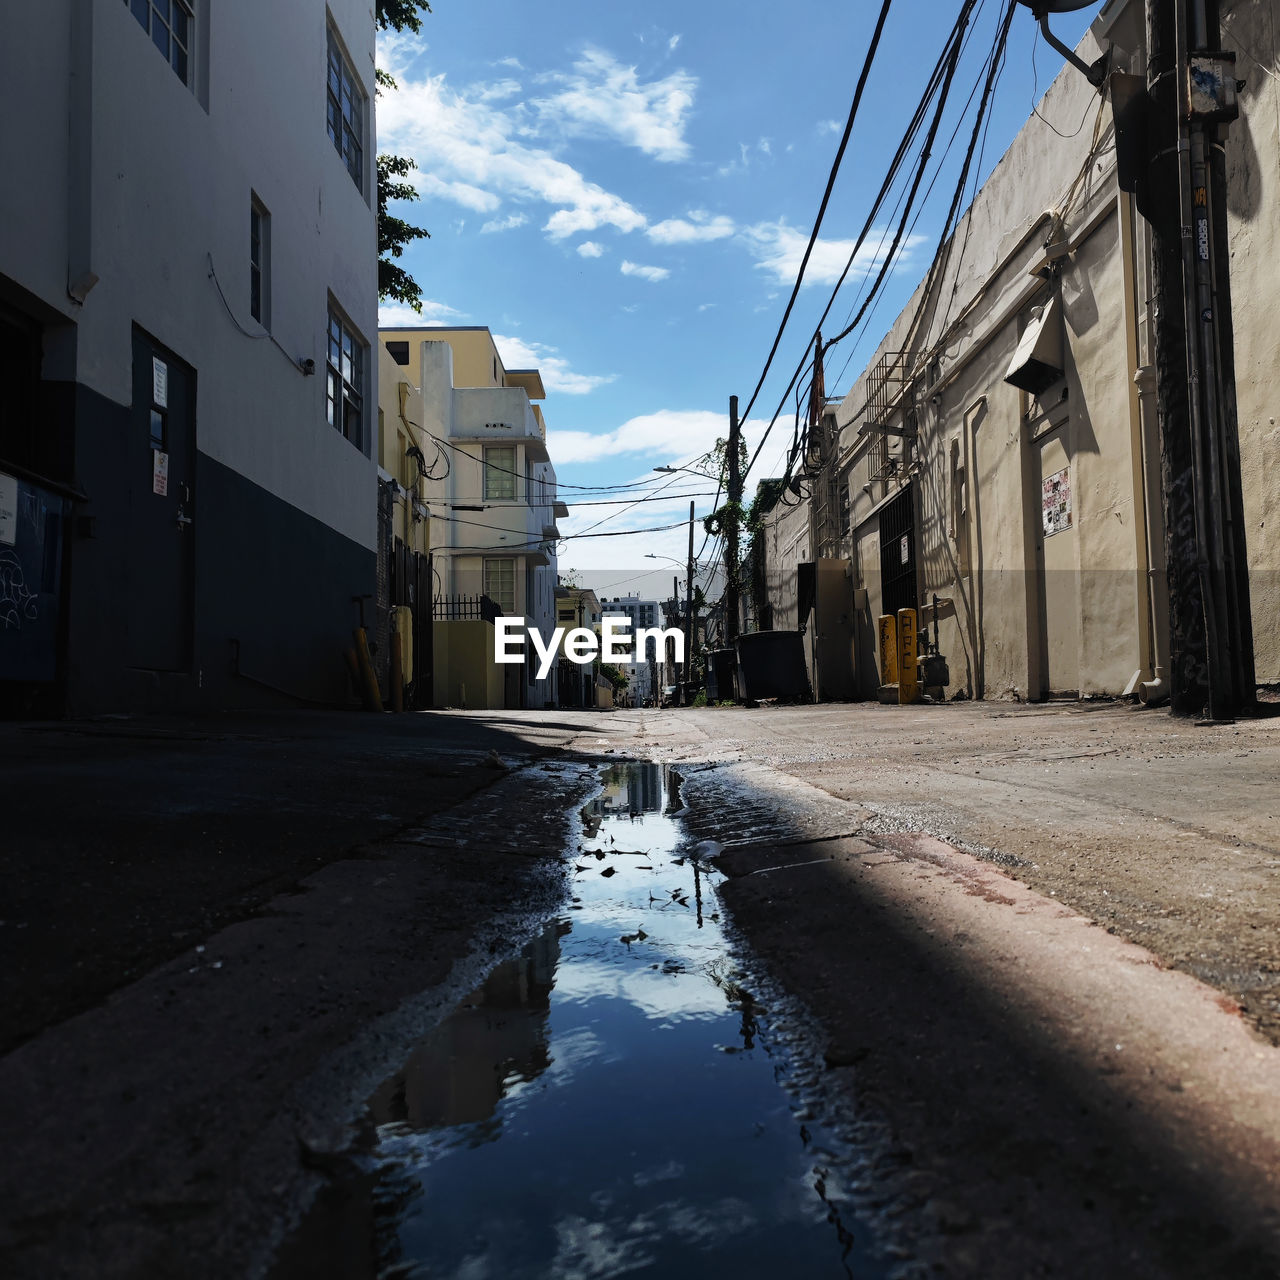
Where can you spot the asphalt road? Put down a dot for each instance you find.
(1053, 1026)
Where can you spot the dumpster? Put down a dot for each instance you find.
(773, 665)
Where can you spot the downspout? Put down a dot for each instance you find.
(1143, 378)
(1137, 461)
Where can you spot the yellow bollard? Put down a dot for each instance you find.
(908, 682)
(372, 695)
(888, 649)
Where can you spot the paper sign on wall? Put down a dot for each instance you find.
(159, 383)
(8, 511)
(1056, 494)
(904, 549)
(159, 472)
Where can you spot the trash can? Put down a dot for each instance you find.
(722, 675)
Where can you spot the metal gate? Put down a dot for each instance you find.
(898, 553)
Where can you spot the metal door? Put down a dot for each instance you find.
(898, 553)
(161, 458)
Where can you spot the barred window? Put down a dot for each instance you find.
(169, 23)
(345, 360)
(344, 116)
(500, 583)
(499, 471)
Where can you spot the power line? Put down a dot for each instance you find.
(942, 72)
(826, 198)
(560, 484)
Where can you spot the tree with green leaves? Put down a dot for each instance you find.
(394, 234)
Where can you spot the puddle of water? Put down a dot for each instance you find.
(602, 1105)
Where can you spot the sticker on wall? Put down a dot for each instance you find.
(904, 548)
(159, 383)
(1057, 502)
(8, 511)
(159, 472)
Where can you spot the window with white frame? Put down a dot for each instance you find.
(170, 24)
(500, 583)
(346, 359)
(344, 112)
(499, 471)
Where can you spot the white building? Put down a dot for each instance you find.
(188, 290)
(490, 487)
(643, 671)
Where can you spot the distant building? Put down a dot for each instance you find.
(643, 671)
(188, 294)
(580, 684)
(489, 489)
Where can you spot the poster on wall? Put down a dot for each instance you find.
(159, 472)
(1057, 502)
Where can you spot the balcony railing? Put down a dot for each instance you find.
(464, 609)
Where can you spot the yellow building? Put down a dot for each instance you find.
(465, 444)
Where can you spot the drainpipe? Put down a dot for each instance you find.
(1137, 451)
(1146, 450)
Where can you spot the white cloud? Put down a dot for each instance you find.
(399, 314)
(673, 435)
(652, 274)
(780, 248)
(589, 249)
(475, 152)
(705, 306)
(765, 146)
(699, 226)
(463, 193)
(829, 126)
(514, 63)
(505, 224)
(498, 90)
(602, 98)
(673, 43)
(557, 376)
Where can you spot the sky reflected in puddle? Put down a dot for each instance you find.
(602, 1104)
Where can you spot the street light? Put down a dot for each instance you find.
(1041, 9)
(693, 471)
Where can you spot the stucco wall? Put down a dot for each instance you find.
(170, 173)
(1023, 614)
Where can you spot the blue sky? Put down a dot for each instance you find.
(622, 195)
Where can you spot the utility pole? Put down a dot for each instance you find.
(1192, 97)
(731, 529)
(687, 673)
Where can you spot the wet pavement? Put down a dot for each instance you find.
(609, 1102)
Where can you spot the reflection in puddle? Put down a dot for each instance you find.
(602, 1105)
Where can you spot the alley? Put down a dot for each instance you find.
(974, 1078)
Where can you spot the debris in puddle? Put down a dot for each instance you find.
(443, 1156)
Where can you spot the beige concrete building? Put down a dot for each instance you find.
(1035, 518)
(487, 492)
